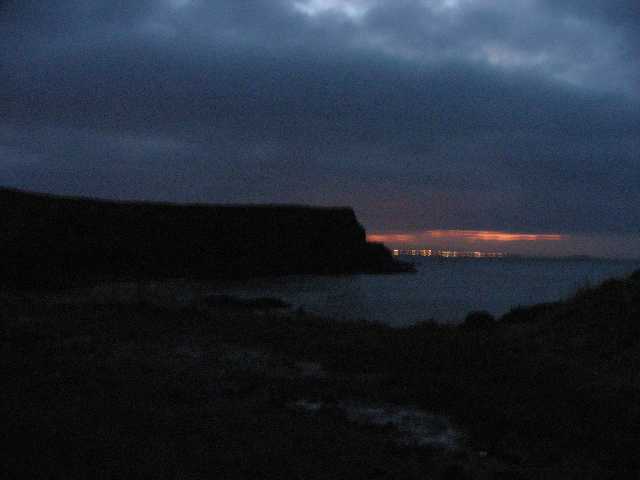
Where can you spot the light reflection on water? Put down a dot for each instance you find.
(442, 289)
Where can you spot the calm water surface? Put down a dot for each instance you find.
(443, 289)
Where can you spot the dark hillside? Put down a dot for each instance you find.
(65, 239)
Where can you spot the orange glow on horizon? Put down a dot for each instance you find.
(471, 235)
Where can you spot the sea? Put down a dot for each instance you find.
(444, 290)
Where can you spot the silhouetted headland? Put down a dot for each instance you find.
(65, 239)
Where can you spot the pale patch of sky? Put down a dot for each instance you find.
(177, 4)
(505, 56)
(446, 5)
(352, 9)
(583, 52)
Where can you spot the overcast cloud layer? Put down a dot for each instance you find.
(443, 114)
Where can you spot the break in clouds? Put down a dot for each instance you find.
(422, 115)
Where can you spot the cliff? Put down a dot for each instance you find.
(45, 237)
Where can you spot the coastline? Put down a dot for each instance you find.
(51, 241)
(546, 391)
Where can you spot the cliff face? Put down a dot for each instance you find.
(44, 236)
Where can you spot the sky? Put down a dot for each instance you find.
(514, 117)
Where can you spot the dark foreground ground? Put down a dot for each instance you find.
(114, 389)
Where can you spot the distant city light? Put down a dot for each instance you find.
(428, 252)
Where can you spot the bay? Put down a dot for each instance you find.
(444, 290)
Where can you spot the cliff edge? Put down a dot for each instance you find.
(45, 237)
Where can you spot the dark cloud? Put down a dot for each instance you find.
(436, 114)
